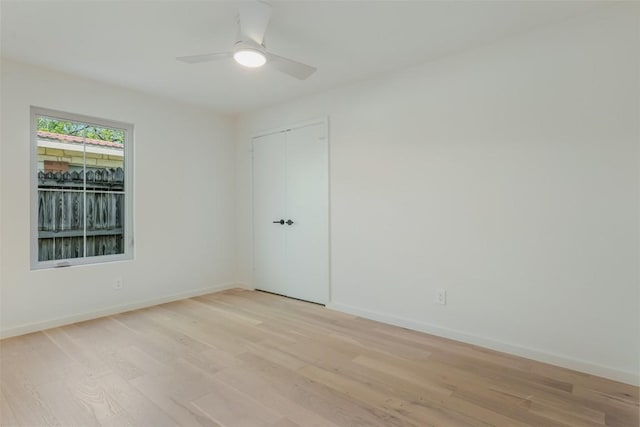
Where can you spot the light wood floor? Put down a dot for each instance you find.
(243, 358)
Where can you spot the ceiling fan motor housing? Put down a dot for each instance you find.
(249, 45)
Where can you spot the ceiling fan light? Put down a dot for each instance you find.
(250, 58)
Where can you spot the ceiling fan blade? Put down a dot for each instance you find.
(288, 66)
(253, 19)
(195, 59)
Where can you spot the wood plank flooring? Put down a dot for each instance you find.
(245, 358)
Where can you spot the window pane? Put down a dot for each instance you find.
(105, 197)
(60, 191)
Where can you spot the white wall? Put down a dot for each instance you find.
(182, 153)
(507, 175)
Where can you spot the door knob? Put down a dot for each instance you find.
(289, 222)
(281, 222)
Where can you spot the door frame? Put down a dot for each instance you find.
(323, 120)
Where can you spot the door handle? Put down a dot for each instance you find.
(281, 222)
(289, 222)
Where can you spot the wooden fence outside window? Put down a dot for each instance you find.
(63, 198)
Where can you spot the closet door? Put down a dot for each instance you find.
(269, 206)
(291, 183)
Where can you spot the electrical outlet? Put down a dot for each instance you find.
(117, 285)
(441, 296)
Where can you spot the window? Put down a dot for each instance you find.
(81, 192)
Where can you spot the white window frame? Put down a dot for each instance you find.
(128, 189)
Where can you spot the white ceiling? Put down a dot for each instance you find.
(134, 43)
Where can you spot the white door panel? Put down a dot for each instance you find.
(269, 196)
(307, 207)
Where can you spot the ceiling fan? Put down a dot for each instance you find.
(250, 50)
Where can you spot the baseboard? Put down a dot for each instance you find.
(627, 377)
(66, 320)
